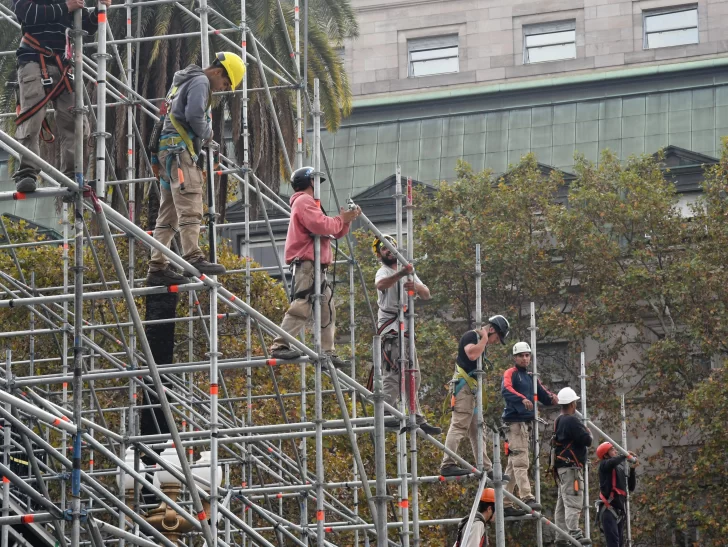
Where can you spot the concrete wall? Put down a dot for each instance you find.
(609, 36)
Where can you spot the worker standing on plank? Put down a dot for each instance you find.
(517, 390)
(307, 220)
(464, 389)
(569, 452)
(186, 128)
(613, 484)
(478, 532)
(389, 299)
(45, 75)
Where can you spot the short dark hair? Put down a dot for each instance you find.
(483, 506)
(564, 407)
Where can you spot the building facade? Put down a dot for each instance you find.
(486, 81)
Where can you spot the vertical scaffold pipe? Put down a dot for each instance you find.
(299, 110)
(379, 450)
(536, 446)
(101, 56)
(352, 342)
(473, 510)
(582, 376)
(320, 514)
(479, 395)
(78, 277)
(624, 444)
(402, 439)
(6, 452)
(411, 370)
(500, 533)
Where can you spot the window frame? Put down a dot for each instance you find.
(554, 27)
(432, 43)
(667, 11)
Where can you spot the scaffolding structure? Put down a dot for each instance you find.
(67, 495)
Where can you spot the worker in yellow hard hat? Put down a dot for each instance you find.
(186, 125)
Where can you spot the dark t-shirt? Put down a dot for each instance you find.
(570, 430)
(465, 363)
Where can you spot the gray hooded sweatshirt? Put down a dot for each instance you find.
(189, 106)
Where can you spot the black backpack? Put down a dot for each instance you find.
(464, 523)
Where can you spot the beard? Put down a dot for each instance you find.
(389, 260)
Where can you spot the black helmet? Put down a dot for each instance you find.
(501, 326)
(302, 178)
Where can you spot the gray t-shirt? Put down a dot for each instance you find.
(388, 300)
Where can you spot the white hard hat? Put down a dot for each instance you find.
(567, 395)
(521, 347)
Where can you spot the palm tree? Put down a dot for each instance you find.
(330, 23)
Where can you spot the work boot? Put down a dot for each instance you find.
(391, 424)
(166, 278)
(504, 477)
(429, 429)
(579, 536)
(510, 511)
(285, 354)
(453, 470)
(533, 505)
(208, 268)
(26, 185)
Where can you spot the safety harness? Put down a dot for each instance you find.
(461, 529)
(562, 452)
(52, 90)
(608, 501)
(176, 143)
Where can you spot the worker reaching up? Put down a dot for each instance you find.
(464, 390)
(613, 484)
(517, 390)
(186, 129)
(307, 220)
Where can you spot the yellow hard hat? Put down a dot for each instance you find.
(233, 65)
(376, 243)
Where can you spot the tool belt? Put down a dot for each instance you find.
(305, 293)
(52, 89)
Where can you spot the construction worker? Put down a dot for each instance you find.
(464, 389)
(569, 448)
(45, 76)
(613, 484)
(187, 127)
(307, 220)
(389, 298)
(517, 391)
(478, 536)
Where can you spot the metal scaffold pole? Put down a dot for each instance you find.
(500, 532)
(582, 377)
(536, 445)
(623, 414)
(379, 449)
(479, 394)
(318, 363)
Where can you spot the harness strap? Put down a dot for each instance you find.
(52, 91)
(608, 502)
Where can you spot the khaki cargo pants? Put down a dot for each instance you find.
(571, 500)
(27, 134)
(519, 446)
(392, 377)
(464, 423)
(301, 310)
(180, 211)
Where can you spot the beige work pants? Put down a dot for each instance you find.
(571, 500)
(301, 310)
(180, 210)
(27, 134)
(519, 446)
(464, 423)
(392, 377)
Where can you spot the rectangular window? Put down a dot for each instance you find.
(436, 55)
(549, 42)
(675, 27)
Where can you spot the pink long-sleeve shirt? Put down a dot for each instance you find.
(307, 220)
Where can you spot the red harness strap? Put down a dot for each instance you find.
(607, 502)
(52, 91)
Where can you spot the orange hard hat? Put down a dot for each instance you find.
(488, 495)
(603, 449)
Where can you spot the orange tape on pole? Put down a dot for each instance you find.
(319, 515)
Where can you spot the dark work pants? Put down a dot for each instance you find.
(613, 530)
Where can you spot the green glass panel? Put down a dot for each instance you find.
(519, 118)
(564, 133)
(633, 106)
(541, 136)
(365, 154)
(633, 126)
(519, 139)
(453, 125)
(474, 144)
(474, 124)
(452, 146)
(564, 113)
(587, 111)
(586, 132)
(542, 116)
(703, 119)
(610, 129)
(366, 135)
(656, 124)
(681, 100)
(388, 133)
(496, 141)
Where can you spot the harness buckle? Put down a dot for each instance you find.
(47, 81)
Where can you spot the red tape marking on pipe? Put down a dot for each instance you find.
(173, 288)
(201, 515)
(328, 529)
(270, 362)
(404, 504)
(19, 195)
(27, 519)
(319, 515)
(213, 389)
(5, 479)
(102, 17)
